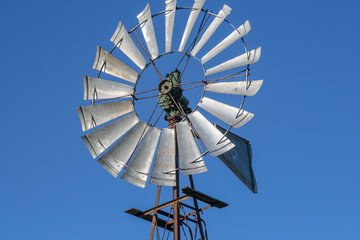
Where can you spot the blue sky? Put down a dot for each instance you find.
(305, 133)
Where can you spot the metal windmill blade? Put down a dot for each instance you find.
(244, 88)
(99, 140)
(139, 167)
(170, 9)
(147, 28)
(191, 161)
(233, 37)
(107, 63)
(245, 59)
(164, 167)
(116, 158)
(123, 41)
(191, 21)
(95, 115)
(96, 88)
(219, 18)
(228, 114)
(211, 137)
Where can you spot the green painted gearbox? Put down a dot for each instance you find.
(171, 86)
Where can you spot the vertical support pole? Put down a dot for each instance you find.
(154, 218)
(198, 219)
(176, 226)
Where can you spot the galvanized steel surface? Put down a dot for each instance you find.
(138, 169)
(109, 64)
(147, 28)
(233, 37)
(210, 136)
(191, 21)
(219, 18)
(169, 23)
(115, 159)
(188, 150)
(242, 60)
(226, 113)
(164, 167)
(102, 138)
(95, 115)
(96, 88)
(249, 88)
(123, 41)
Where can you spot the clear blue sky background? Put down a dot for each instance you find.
(305, 133)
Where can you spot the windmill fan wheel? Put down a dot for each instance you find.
(120, 140)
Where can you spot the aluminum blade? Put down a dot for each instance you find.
(233, 37)
(109, 64)
(96, 88)
(117, 156)
(95, 115)
(123, 41)
(188, 150)
(139, 167)
(99, 140)
(163, 172)
(226, 113)
(236, 88)
(210, 136)
(191, 21)
(219, 18)
(242, 60)
(148, 31)
(169, 23)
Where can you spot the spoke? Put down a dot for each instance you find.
(158, 118)
(125, 96)
(147, 97)
(148, 54)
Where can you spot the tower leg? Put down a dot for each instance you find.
(198, 219)
(154, 215)
(175, 196)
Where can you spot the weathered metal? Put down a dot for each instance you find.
(228, 114)
(188, 151)
(147, 28)
(164, 167)
(210, 136)
(96, 88)
(138, 169)
(170, 9)
(191, 21)
(102, 138)
(249, 88)
(233, 37)
(109, 64)
(95, 115)
(123, 41)
(115, 159)
(219, 18)
(247, 58)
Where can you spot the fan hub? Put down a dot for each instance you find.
(165, 86)
(170, 91)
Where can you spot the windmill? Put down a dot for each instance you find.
(123, 142)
